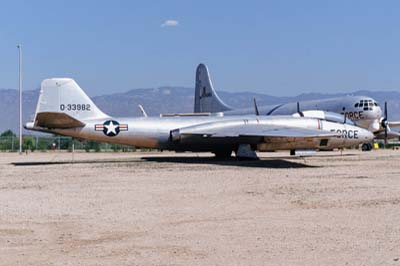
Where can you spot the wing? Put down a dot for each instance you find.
(237, 131)
(394, 123)
(390, 135)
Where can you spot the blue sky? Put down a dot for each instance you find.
(275, 47)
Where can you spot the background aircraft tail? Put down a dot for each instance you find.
(206, 99)
(63, 104)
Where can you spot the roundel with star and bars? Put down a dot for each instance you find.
(111, 128)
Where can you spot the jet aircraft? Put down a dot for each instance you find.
(63, 108)
(364, 111)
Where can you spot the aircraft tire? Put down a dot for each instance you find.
(366, 147)
(223, 154)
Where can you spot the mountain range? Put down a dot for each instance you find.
(171, 100)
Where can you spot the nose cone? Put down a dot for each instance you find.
(366, 135)
(375, 113)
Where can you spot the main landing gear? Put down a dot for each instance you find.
(243, 152)
(224, 154)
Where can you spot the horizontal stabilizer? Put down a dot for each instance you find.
(56, 120)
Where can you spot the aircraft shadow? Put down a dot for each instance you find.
(68, 162)
(262, 163)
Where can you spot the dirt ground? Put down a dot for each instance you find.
(190, 209)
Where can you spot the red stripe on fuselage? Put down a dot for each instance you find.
(123, 127)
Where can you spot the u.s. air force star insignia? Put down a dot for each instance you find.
(111, 128)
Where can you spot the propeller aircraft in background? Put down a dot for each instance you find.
(363, 111)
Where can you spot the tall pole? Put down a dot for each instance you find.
(20, 96)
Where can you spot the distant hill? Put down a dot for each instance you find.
(168, 100)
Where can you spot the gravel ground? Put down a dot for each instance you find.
(190, 209)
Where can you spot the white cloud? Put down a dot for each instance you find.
(170, 23)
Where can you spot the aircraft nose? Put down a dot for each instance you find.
(367, 135)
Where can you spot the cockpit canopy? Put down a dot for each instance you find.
(366, 105)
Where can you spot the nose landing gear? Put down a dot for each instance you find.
(366, 147)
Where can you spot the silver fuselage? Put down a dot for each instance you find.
(155, 132)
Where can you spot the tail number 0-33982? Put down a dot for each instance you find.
(75, 107)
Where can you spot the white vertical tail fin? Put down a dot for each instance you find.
(206, 99)
(62, 104)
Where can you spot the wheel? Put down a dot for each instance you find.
(366, 147)
(223, 154)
